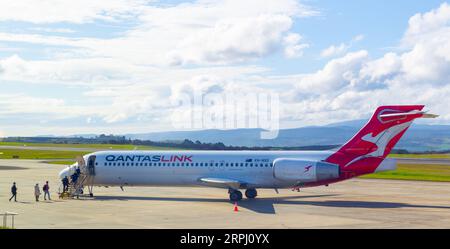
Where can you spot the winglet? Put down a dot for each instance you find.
(429, 115)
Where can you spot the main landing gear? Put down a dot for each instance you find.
(251, 193)
(236, 195)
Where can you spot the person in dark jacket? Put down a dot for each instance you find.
(13, 192)
(74, 178)
(65, 182)
(46, 189)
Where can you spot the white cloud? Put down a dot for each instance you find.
(53, 30)
(335, 50)
(351, 86)
(383, 68)
(80, 11)
(335, 75)
(202, 32)
(293, 47)
(431, 22)
(69, 71)
(232, 40)
(128, 81)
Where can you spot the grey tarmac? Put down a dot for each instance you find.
(358, 203)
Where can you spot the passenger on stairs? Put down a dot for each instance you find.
(65, 182)
(74, 178)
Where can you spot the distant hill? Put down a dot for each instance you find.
(418, 138)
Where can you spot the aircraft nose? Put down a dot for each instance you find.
(64, 173)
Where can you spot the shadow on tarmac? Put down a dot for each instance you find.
(266, 205)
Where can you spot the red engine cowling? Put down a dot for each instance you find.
(290, 169)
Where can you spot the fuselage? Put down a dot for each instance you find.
(185, 168)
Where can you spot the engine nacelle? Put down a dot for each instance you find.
(290, 169)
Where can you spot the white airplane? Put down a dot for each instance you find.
(365, 153)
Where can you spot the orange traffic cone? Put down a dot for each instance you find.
(236, 207)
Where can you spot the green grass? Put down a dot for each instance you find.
(88, 146)
(40, 154)
(417, 172)
(433, 156)
(61, 162)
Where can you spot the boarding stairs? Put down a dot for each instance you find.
(85, 178)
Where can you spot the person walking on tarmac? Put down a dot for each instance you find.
(37, 191)
(13, 192)
(46, 189)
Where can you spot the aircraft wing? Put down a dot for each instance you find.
(221, 183)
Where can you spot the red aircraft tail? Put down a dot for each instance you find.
(363, 153)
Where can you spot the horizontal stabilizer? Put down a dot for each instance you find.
(415, 112)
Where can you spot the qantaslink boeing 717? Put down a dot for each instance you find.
(365, 153)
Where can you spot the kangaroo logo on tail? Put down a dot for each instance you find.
(367, 149)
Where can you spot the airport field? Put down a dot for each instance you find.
(64, 154)
(357, 203)
(417, 172)
(421, 156)
(92, 147)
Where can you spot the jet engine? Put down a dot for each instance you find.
(291, 169)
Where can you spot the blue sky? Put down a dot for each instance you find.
(116, 66)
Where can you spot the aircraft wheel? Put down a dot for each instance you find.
(251, 193)
(235, 195)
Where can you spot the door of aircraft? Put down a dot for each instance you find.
(91, 165)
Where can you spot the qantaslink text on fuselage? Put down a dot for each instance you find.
(148, 158)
